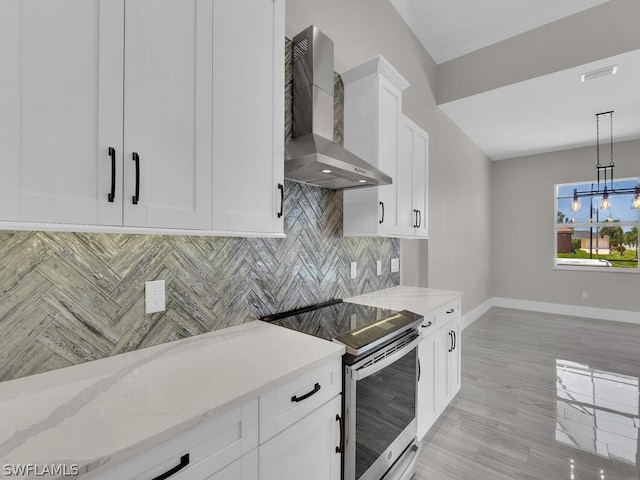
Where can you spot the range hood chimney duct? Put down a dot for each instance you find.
(312, 156)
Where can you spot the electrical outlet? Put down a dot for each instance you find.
(354, 272)
(154, 296)
(585, 295)
(379, 267)
(395, 265)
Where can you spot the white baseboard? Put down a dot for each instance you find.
(562, 309)
(476, 313)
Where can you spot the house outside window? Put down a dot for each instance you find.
(591, 237)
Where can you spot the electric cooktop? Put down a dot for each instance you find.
(359, 327)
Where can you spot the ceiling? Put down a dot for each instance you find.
(553, 112)
(451, 28)
(547, 113)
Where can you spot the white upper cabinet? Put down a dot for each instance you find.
(248, 115)
(372, 130)
(413, 180)
(164, 115)
(60, 110)
(167, 113)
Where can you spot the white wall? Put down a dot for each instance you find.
(457, 255)
(523, 231)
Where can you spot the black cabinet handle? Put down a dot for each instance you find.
(136, 197)
(419, 370)
(419, 218)
(455, 341)
(451, 310)
(382, 205)
(184, 461)
(340, 447)
(451, 338)
(427, 325)
(415, 218)
(316, 389)
(112, 193)
(281, 188)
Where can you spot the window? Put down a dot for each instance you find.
(591, 235)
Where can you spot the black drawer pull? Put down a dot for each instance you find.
(427, 325)
(382, 220)
(184, 461)
(340, 448)
(316, 389)
(136, 197)
(112, 193)
(281, 188)
(451, 310)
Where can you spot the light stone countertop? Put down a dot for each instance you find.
(107, 411)
(415, 299)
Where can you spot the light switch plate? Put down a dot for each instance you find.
(154, 296)
(395, 265)
(379, 267)
(354, 271)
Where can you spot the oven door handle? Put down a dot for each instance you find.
(362, 373)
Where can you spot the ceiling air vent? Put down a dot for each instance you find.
(601, 72)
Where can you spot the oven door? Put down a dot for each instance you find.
(380, 408)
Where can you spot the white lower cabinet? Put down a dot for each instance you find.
(308, 449)
(245, 468)
(198, 453)
(426, 412)
(291, 431)
(439, 355)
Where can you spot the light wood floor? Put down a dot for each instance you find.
(541, 394)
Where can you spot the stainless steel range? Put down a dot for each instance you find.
(379, 383)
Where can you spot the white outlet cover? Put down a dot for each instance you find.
(154, 296)
(354, 271)
(395, 265)
(379, 267)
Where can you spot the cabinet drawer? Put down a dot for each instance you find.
(449, 312)
(211, 446)
(288, 403)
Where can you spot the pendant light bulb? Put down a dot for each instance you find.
(606, 203)
(575, 203)
(636, 199)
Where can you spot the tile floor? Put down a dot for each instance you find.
(543, 397)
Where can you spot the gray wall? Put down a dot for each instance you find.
(523, 231)
(603, 31)
(457, 254)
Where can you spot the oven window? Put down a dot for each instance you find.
(385, 406)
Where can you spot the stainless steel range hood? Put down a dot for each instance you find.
(312, 156)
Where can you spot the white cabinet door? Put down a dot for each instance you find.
(372, 130)
(167, 114)
(442, 347)
(61, 110)
(421, 181)
(426, 412)
(248, 125)
(413, 180)
(453, 361)
(307, 449)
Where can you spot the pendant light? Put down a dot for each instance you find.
(604, 173)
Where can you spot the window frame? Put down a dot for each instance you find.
(587, 225)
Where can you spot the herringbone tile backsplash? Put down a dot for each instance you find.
(67, 298)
